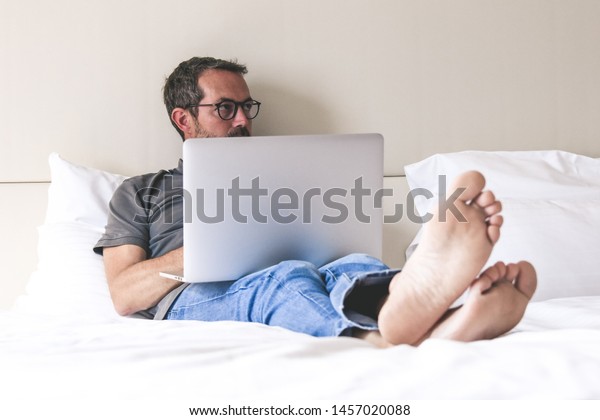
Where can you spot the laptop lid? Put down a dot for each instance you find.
(252, 202)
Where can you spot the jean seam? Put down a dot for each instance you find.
(227, 293)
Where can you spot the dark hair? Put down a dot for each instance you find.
(181, 87)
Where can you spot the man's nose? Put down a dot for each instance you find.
(240, 119)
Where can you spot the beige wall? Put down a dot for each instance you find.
(23, 209)
(84, 78)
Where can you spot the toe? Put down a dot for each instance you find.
(485, 199)
(492, 272)
(496, 220)
(526, 279)
(501, 269)
(482, 284)
(489, 276)
(493, 209)
(493, 233)
(472, 183)
(512, 272)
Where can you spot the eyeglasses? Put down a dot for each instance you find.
(228, 109)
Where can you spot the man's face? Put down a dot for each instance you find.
(219, 85)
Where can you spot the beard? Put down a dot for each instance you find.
(238, 132)
(233, 132)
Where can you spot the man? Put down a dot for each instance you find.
(356, 295)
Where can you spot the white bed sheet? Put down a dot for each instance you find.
(553, 353)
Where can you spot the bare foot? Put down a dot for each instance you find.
(495, 304)
(450, 255)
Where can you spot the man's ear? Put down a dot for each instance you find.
(183, 120)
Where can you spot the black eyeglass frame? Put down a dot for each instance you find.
(236, 106)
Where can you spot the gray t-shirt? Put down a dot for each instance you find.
(147, 211)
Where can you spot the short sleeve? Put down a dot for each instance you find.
(127, 220)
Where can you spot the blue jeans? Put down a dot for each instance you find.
(326, 301)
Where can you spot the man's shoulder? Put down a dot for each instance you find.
(150, 179)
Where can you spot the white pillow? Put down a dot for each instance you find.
(546, 174)
(561, 238)
(79, 194)
(70, 280)
(551, 207)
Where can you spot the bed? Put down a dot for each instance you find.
(62, 340)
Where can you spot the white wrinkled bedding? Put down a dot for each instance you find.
(553, 353)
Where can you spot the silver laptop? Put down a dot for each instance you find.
(253, 202)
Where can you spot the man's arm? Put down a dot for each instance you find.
(134, 281)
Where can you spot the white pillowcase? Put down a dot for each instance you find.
(551, 207)
(561, 238)
(78, 193)
(70, 279)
